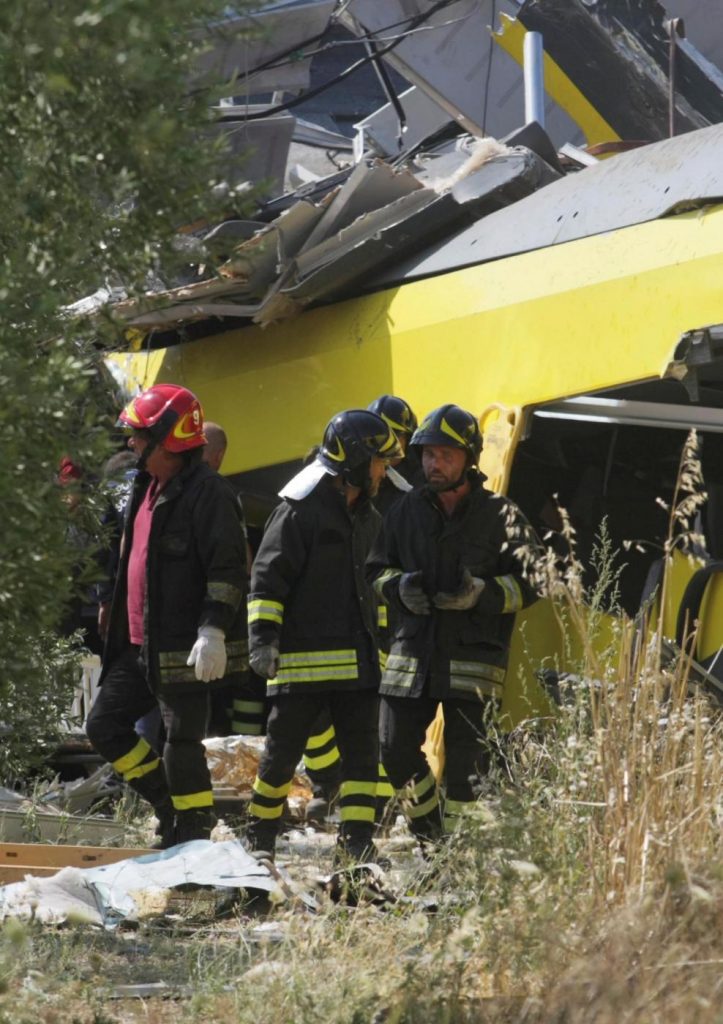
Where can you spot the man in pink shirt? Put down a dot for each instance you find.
(176, 625)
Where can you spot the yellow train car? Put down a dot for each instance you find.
(587, 353)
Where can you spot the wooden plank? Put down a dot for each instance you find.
(20, 859)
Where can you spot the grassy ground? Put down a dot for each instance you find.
(587, 887)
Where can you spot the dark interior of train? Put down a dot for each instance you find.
(617, 471)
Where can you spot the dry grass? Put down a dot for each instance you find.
(586, 889)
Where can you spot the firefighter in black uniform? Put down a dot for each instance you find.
(176, 623)
(321, 756)
(312, 626)
(401, 477)
(406, 474)
(450, 564)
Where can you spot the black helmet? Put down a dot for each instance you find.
(351, 439)
(450, 425)
(397, 413)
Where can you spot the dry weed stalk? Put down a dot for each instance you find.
(637, 752)
(659, 752)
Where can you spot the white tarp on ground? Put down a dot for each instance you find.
(108, 894)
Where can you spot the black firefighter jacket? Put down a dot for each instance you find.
(459, 654)
(310, 597)
(399, 480)
(196, 576)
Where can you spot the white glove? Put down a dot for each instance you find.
(265, 661)
(208, 654)
(465, 597)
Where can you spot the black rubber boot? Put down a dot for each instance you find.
(357, 847)
(154, 788)
(166, 827)
(322, 803)
(195, 824)
(325, 784)
(428, 831)
(260, 839)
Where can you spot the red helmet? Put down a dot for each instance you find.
(171, 414)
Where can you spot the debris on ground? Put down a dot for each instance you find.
(233, 762)
(131, 889)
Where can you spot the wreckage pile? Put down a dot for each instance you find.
(399, 199)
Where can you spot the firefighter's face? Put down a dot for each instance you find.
(138, 442)
(442, 464)
(377, 470)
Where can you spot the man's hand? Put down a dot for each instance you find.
(465, 597)
(411, 594)
(265, 661)
(208, 654)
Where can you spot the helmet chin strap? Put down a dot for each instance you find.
(143, 457)
(359, 477)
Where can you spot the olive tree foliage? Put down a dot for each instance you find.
(105, 153)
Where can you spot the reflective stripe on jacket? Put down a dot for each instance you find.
(310, 597)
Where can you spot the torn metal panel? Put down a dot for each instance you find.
(244, 279)
(341, 263)
(150, 308)
(314, 192)
(274, 34)
(370, 186)
(256, 263)
(616, 53)
(631, 188)
(323, 251)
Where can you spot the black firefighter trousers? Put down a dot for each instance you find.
(354, 716)
(180, 782)
(403, 723)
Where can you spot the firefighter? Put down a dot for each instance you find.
(312, 626)
(238, 708)
(450, 565)
(176, 627)
(406, 474)
(402, 477)
(321, 757)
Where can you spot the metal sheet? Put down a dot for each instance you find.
(243, 42)
(628, 189)
(257, 151)
(256, 261)
(341, 264)
(380, 130)
(703, 26)
(370, 186)
(458, 64)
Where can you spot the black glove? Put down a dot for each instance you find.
(411, 594)
(466, 596)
